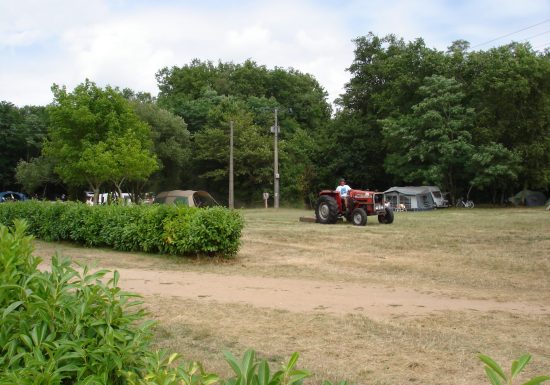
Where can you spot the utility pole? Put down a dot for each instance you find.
(275, 130)
(231, 196)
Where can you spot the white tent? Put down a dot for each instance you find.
(438, 197)
(414, 198)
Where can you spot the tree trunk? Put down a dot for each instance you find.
(96, 195)
(469, 191)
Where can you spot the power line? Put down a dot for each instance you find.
(511, 33)
(537, 35)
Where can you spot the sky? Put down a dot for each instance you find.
(123, 43)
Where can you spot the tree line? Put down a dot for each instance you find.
(472, 122)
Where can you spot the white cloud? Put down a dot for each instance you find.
(124, 43)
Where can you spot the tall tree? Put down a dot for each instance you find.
(90, 128)
(433, 143)
(36, 173)
(171, 141)
(386, 74)
(496, 169)
(252, 152)
(200, 90)
(509, 86)
(22, 131)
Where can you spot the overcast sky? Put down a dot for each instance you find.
(124, 43)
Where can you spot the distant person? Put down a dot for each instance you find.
(343, 189)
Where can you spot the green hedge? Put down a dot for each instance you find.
(176, 230)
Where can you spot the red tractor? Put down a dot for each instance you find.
(355, 208)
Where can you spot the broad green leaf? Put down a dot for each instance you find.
(263, 373)
(232, 361)
(210, 379)
(116, 277)
(493, 365)
(27, 340)
(172, 357)
(537, 380)
(492, 376)
(248, 365)
(11, 308)
(298, 375)
(517, 366)
(293, 360)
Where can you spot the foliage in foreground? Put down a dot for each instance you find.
(497, 376)
(64, 326)
(68, 326)
(176, 230)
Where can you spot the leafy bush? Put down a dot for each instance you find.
(249, 371)
(68, 326)
(64, 326)
(176, 230)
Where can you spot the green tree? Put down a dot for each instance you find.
(172, 146)
(84, 137)
(509, 86)
(200, 92)
(22, 131)
(253, 154)
(433, 144)
(496, 168)
(36, 173)
(386, 74)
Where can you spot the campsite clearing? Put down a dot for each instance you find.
(398, 304)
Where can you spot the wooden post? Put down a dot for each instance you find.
(231, 194)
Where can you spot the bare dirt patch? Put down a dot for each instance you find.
(381, 304)
(375, 302)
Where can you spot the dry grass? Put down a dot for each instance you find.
(501, 254)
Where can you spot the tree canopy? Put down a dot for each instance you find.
(95, 137)
(461, 119)
(469, 121)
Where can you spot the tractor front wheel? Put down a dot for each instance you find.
(387, 217)
(326, 210)
(359, 217)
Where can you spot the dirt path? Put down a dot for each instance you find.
(296, 295)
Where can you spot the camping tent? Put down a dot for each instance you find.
(189, 198)
(529, 198)
(414, 198)
(438, 197)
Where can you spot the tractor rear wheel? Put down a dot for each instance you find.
(326, 210)
(359, 217)
(387, 217)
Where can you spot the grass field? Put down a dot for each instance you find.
(500, 255)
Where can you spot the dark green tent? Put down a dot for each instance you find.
(528, 198)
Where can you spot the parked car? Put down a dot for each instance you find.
(12, 196)
(189, 198)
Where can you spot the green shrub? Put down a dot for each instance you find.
(176, 230)
(64, 326)
(69, 326)
(250, 371)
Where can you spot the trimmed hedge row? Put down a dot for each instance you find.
(176, 230)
